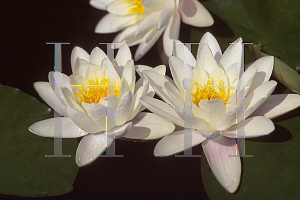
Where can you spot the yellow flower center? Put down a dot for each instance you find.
(96, 91)
(210, 92)
(136, 7)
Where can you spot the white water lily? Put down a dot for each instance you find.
(143, 21)
(212, 88)
(93, 94)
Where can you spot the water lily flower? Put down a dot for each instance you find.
(95, 92)
(143, 21)
(212, 89)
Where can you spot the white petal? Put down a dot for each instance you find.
(46, 128)
(212, 111)
(174, 143)
(195, 14)
(129, 74)
(80, 67)
(82, 121)
(121, 131)
(226, 169)
(148, 23)
(212, 43)
(206, 60)
(148, 126)
(253, 127)
(99, 114)
(179, 72)
(191, 121)
(46, 93)
(171, 33)
(90, 147)
(264, 70)
(277, 105)
(175, 95)
(166, 13)
(97, 55)
(153, 4)
(162, 109)
(124, 108)
(233, 54)
(148, 41)
(199, 76)
(100, 4)
(121, 22)
(157, 81)
(103, 25)
(257, 97)
(183, 53)
(78, 52)
(119, 7)
(122, 57)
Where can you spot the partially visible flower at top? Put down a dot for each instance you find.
(212, 88)
(143, 21)
(93, 94)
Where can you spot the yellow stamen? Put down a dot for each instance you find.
(135, 8)
(209, 92)
(96, 91)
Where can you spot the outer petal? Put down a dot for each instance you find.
(100, 4)
(148, 126)
(82, 121)
(166, 13)
(122, 57)
(212, 43)
(230, 117)
(193, 13)
(90, 147)
(206, 60)
(183, 53)
(121, 22)
(148, 23)
(254, 127)
(103, 25)
(98, 113)
(46, 93)
(226, 169)
(78, 52)
(179, 72)
(119, 7)
(171, 33)
(264, 71)
(97, 56)
(277, 105)
(162, 109)
(174, 143)
(233, 54)
(46, 128)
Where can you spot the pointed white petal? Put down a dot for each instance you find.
(174, 143)
(78, 52)
(103, 25)
(46, 93)
(153, 4)
(183, 53)
(171, 33)
(206, 60)
(148, 23)
(166, 14)
(212, 43)
(97, 55)
(80, 67)
(226, 169)
(129, 74)
(162, 109)
(82, 121)
(90, 147)
(100, 4)
(230, 118)
(99, 113)
(148, 126)
(123, 21)
(46, 128)
(277, 105)
(233, 54)
(122, 57)
(254, 127)
(264, 70)
(119, 7)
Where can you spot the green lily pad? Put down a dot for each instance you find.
(24, 169)
(273, 24)
(273, 172)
